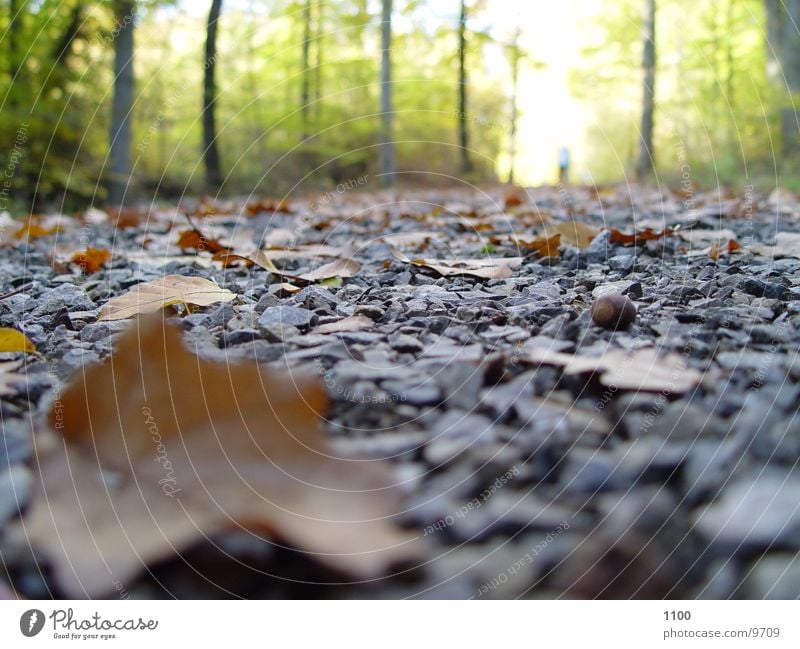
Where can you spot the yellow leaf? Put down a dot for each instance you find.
(12, 340)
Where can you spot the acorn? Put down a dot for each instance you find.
(613, 311)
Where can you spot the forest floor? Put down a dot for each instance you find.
(535, 454)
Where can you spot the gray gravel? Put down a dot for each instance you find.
(526, 481)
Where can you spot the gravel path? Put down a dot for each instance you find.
(527, 481)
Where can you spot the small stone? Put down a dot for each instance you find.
(612, 311)
(774, 576)
(760, 288)
(405, 344)
(371, 311)
(15, 487)
(755, 513)
(285, 315)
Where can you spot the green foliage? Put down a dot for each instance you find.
(714, 113)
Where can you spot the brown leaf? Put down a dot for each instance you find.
(126, 217)
(637, 237)
(256, 207)
(34, 231)
(91, 260)
(149, 297)
(485, 268)
(642, 370)
(575, 233)
(160, 449)
(512, 200)
(195, 240)
(545, 246)
(344, 267)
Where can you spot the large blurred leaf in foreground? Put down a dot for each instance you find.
(159, 448)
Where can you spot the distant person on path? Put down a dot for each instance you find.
(563, 165)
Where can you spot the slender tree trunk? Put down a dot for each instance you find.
(387, 159)
(14, 29)
(646, 160)
(782, 30)
(463, 122)
(790, 67)
(210, 147)
(773, 44)
(305, 92)
(119, 153)
(512, 135)
(318, 60)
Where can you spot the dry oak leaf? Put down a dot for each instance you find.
(91, 260)
(545, 246)
(787, 244)
(616, 236)
(149, 297)
(8, 377)
(485, 268)
(34, 231)
(643, 369)
(196, 240)
(159, 449)
(575, 233)
(343, 267)
(12, 340)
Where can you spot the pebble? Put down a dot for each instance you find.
(285, 315)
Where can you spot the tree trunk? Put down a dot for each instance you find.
(210, 148)
(512, 135)
(305, 91)
(318, 60)
(790, 67)
(646, 161)
(14, 32)
(119, 153)
(463, 123)
(386, 151)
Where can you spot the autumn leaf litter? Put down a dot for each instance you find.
(448, 339)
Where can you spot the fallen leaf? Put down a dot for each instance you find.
(575, 233)
(126, 217)
(643, 369)
(313, 251)
(12, 340)
(637, 237)
(195, 240)
(256, 207)
(486, 268)
(34, 231)
(91, 260)
(344, 267)
(149, 297)
(716, 250)
(512, 200)
(353, 323)
(416, 239)
(8, 377)
(545, 246)
(787, 244)
(157, 449)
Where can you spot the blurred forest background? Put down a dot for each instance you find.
(124, 100)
